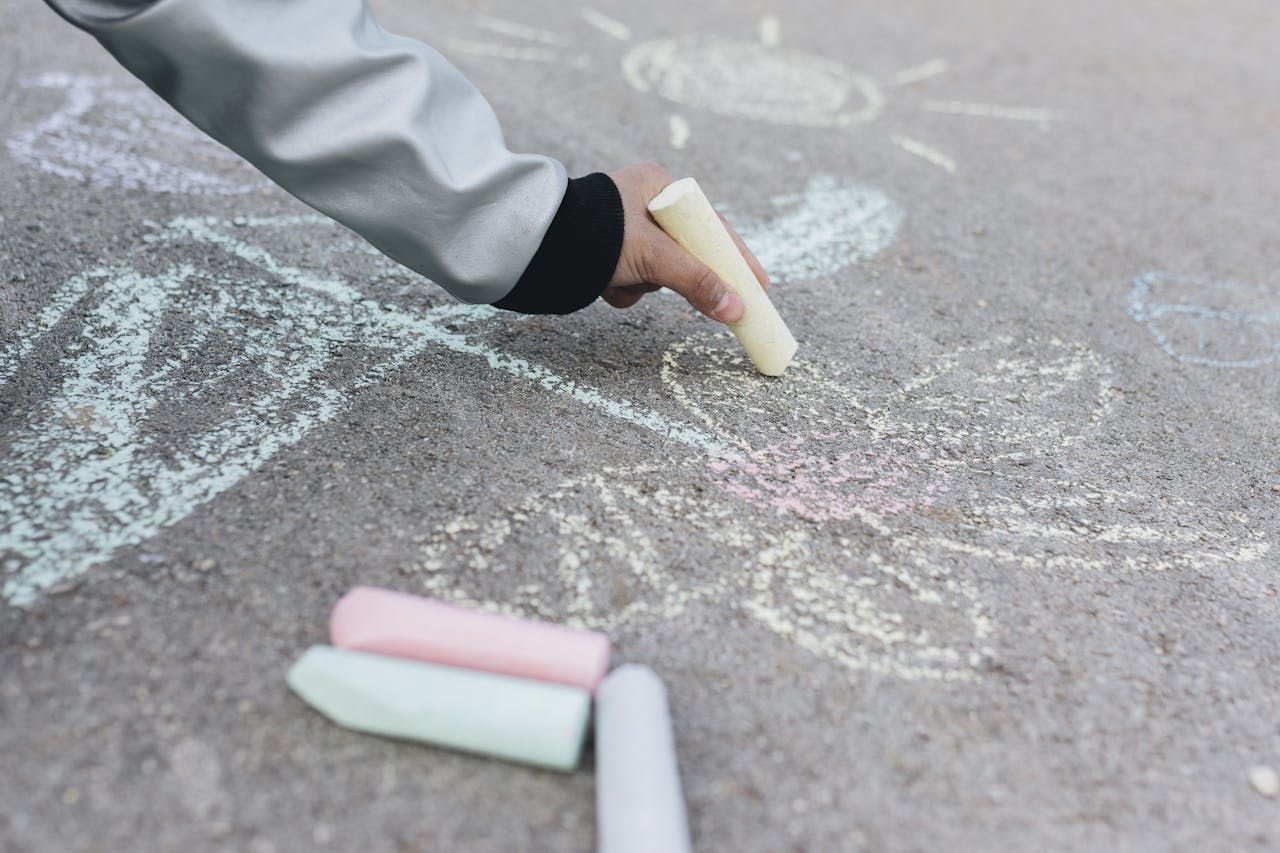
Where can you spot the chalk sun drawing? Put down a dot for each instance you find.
(1213, 323)
(110, 131)
(88, 474)
(753, 80)
(760, 80)
(809, 533)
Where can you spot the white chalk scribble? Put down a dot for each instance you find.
(111, 131)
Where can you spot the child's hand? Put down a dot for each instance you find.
(651, 260)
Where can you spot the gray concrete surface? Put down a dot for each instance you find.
(994, 567)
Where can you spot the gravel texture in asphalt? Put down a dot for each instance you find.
(993, 566)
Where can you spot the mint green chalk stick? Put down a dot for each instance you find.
(512, 718)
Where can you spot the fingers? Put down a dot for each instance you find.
(665, 263)
(651, 257)
(756, 267)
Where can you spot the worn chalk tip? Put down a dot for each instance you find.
(672, 193)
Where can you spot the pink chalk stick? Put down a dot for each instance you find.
(383, 622)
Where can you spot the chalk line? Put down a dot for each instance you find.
(605, 24)
(679, 127)
(516, 30)
(429, 329)
(973, 108)
(921, 72)
(29, 335)
(770, 31)
(924, 152)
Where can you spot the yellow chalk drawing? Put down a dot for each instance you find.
(815, 549)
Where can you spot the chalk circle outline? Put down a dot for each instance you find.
(677, 69)
(1144, 309)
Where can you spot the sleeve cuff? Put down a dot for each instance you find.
(578, 255)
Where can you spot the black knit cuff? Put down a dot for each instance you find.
(577, 256)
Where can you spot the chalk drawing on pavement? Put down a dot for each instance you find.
(679, 129)
(762, 81)
(86, 476)
(112, 131)
(751, 80)
(516, 30)
(830, 224)
(925, 152)
(977, 109)
(769, 29)
(837, 524)
(1200, 321)
(919, 73)
(610, 571)
(758, 80)
(607, 25)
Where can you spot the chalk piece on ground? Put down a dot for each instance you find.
(639, 802)
(375, 620)
(519, 720)
(684, 213)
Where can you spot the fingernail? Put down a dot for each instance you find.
(729, 309)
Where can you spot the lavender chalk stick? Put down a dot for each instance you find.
(512, 718)
(410, 626)
(639, 803)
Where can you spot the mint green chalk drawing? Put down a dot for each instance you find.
(85, 476)
(831, 224)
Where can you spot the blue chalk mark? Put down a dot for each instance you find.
(1251, 335)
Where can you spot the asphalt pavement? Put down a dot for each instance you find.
(992, 567)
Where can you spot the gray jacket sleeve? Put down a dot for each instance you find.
(378, 131)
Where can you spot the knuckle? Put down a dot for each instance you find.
(707, 286)
(647, 266)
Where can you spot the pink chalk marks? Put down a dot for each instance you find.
(113, 132)
(808, 447)
(798, 478)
